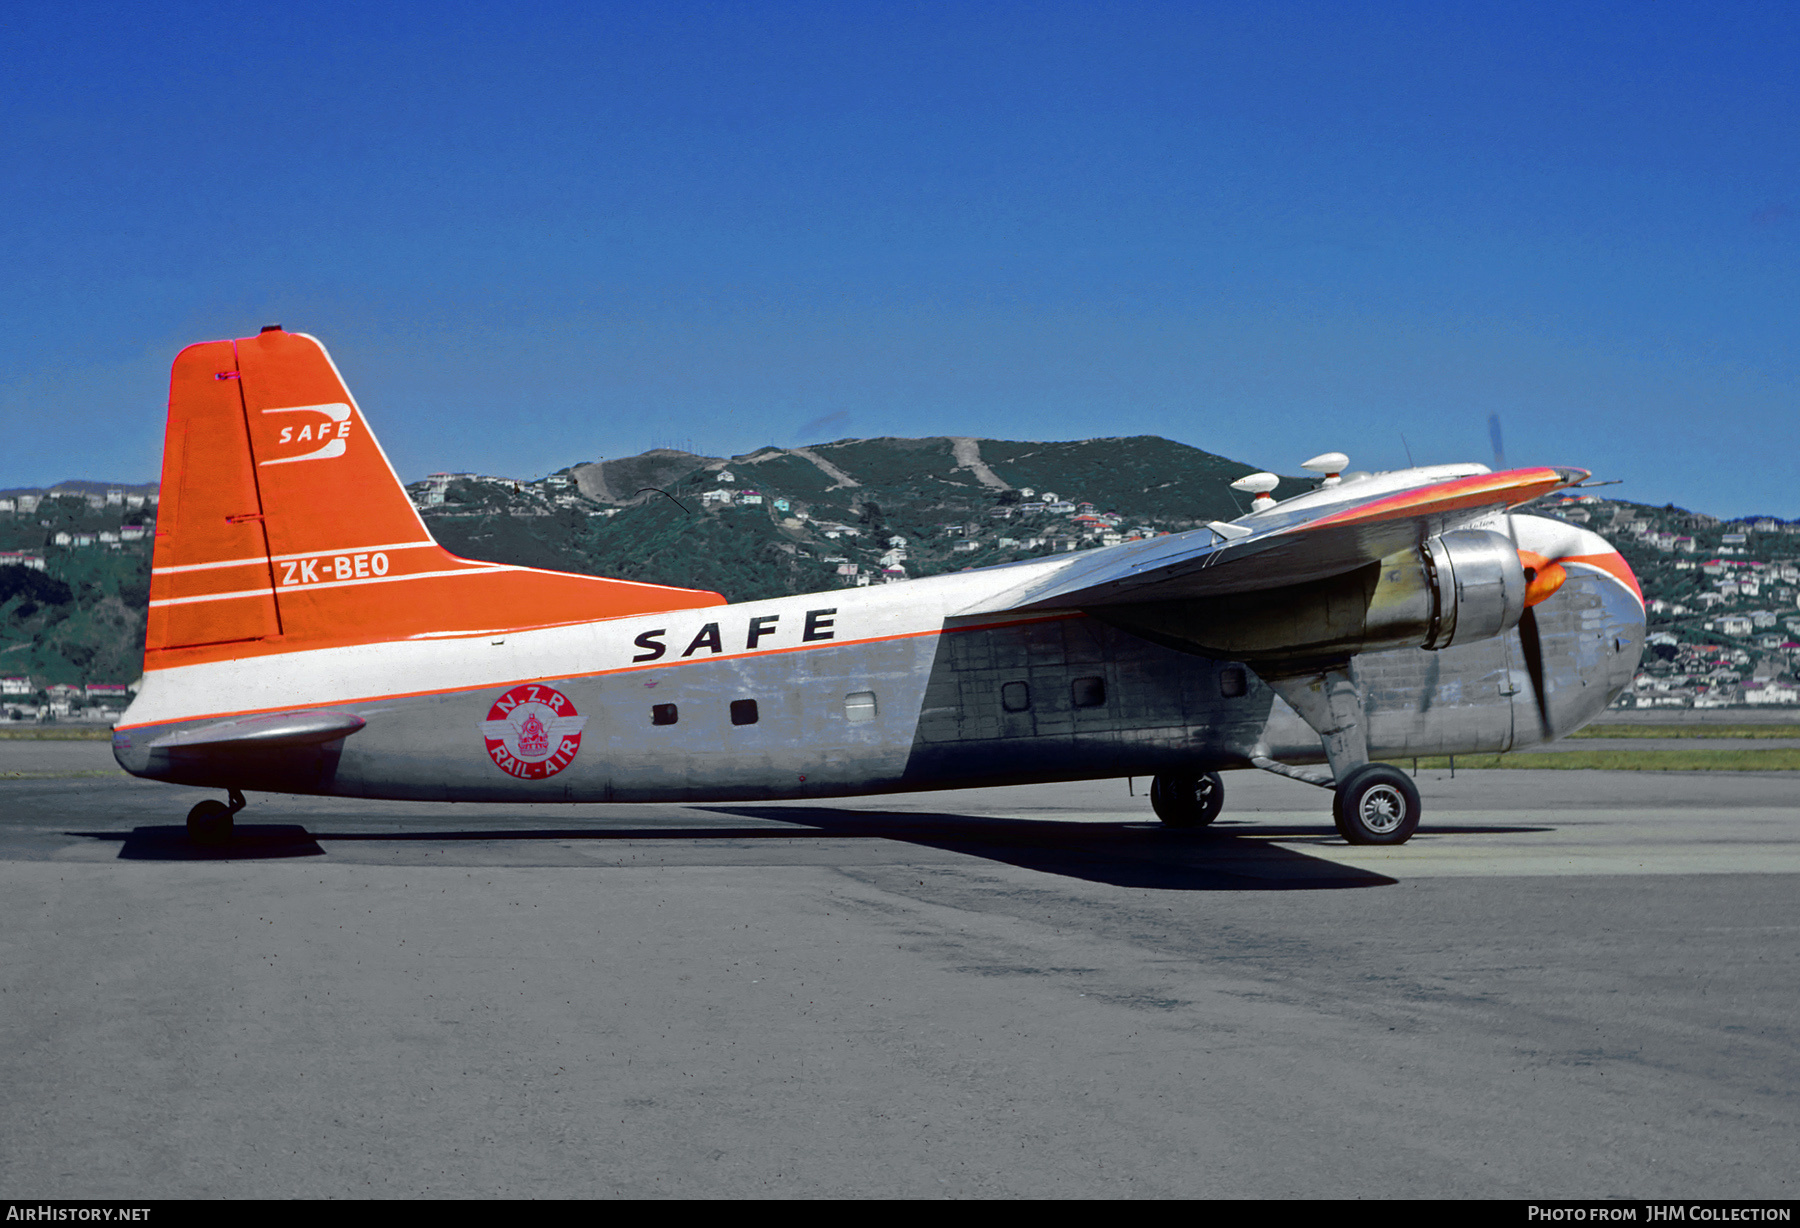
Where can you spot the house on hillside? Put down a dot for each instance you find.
(1770, 692)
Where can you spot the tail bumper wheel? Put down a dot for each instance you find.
(1187, 800)
(1376, 804)
(210, 823)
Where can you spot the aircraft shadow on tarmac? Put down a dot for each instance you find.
(1227, 857)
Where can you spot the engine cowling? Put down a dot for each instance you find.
(1456, 588)
(1479, 584)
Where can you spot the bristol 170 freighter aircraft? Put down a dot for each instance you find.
(307, 635)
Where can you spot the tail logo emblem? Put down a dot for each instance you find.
(324, 439)
(532, 732)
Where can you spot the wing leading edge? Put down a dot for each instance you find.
(1312, 538)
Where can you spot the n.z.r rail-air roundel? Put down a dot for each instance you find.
(532, 731)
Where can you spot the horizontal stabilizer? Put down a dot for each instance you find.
(256, 733)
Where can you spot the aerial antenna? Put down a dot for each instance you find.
(1408, 447)
(1262, 485)
(1494, 438)
(1332, 465)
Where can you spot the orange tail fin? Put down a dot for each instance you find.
(281, 524)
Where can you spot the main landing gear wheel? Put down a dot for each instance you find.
(1376, 804)
(1187, 801)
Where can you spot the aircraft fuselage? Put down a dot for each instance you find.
(845, 692)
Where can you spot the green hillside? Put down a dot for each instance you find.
(82, 618)
(1143, 476)
(916, 489)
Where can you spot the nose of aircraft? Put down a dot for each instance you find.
(1625, 627)
(1582, 642)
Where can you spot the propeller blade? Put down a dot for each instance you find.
(1533, 647)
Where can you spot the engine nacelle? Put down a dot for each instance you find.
(1458, 587)
(1478, 583)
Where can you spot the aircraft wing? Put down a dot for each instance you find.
(1311, 537)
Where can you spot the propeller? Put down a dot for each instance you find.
(1542, 578)
(1533, 646)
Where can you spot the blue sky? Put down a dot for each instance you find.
(537, 235)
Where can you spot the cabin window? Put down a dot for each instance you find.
(664, 714)
(1232, 682)
(743, 712)
(1015, 696)
(859, 706)
(1088, 692)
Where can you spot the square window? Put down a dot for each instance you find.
(859, 706)
(1087, 692)
(743, 712)
(664, 714)
(1015, 696)
(1232, 682)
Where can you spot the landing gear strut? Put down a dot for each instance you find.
(1187, 800)
(210, 823)
(1375, 803)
